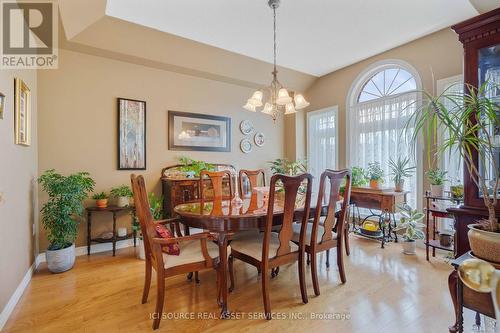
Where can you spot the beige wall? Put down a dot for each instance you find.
(18, 205)
(440, 53)
(78, 116)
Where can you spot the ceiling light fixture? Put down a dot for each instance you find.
(275, 99)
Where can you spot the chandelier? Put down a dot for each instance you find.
(275, 98)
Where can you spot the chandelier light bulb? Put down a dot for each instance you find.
(300, 102)
(256, 99)
(249, 106)
(283, 97)
(268, 109)
(289, 108)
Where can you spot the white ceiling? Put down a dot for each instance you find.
(314, 36)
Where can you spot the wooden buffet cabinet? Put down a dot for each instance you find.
(480, 37)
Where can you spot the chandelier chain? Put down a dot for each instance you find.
(274, 42)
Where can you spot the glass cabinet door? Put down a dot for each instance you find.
(489, 73)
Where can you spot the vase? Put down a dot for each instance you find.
(409, 247)
(141, 253)
(399, 186)
(122, 201)
(374, 183)
(484, 244)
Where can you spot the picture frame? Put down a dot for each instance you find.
(198, 132)
(2, 104)
(22, 113)
(131, 134)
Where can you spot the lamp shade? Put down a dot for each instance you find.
(300, 102)
(268, 109)
(289, 108)
(283, 97)
(249, 106)
(256, 98)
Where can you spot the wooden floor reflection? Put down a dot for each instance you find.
(386, 291)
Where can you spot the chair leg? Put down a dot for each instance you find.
(340, 263)
(160, 297)
(302, 278)
(196, 278)
(230, 262)
(189, 276)
(328, 258)
(265, 293)
(147, 281)
(314, 274)
(346, 241)
(308, 259)
(219, 286)
(274, 272)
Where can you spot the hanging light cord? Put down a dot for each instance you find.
(275, 72)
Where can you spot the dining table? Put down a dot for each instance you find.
(224, 218)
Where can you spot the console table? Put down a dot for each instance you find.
(114, 210)
(385, 201)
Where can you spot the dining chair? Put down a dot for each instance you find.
(320, 234)
(197, 252)
(216, 178)
(253, 179)
(267, 250)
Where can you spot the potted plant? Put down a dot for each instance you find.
(410, 224)
(156, 207)
(61, 215)
(358, 177)
(101, 199)
(375, 174)
(470, 124)
(122, 194)
(437, 177)
(400, 169)
(192, 168)
(291, 168)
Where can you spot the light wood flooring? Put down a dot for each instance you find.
(386, 291)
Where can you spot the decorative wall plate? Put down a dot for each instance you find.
(246, 146)
(259, 139)
(246, 127)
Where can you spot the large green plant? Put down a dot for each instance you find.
(359, 177)
(156, 206)
(286, 167)
(61, 213)
(467, 124)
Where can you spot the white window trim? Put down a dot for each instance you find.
(351, 100)
(335, 110)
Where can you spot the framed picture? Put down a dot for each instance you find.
(22, 113)
(194, 131)
(131, 134)
(2, 104)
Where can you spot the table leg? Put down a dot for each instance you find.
(395, 225)
(222, 242)
(114, 233)
(453, 286)
(89, 223)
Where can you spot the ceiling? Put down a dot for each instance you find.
(314, 36)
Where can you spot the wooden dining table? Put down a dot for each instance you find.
(227, 217)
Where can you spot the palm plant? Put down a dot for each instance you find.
(468, 125)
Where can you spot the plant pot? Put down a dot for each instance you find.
(484, 244)
(445, 238)
(374, 183)
(409, 247)
(122, 201)
(437, 190)
(59, 261)
(101, 203)
(399, 186)
(141, 253)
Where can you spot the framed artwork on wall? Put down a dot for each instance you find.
(131, 134)
(22, 113)
(201, 132)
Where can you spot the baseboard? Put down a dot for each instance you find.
(79, 251)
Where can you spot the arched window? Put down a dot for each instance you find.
(379, 104)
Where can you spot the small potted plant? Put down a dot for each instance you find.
(437, 177)
(410, 224)
(61, 215)
(400, 169)
(122, 194)
(376, 174)
(101, 199)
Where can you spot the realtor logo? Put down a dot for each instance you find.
(29, 35)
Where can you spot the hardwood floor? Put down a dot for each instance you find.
(386, 291)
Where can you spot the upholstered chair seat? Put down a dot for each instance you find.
(190, 253)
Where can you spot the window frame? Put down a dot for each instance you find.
(352, 100)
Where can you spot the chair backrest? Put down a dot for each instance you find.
(143, 212)
(216, 177)
(332, 180)
(290, 186)
(253, 179)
